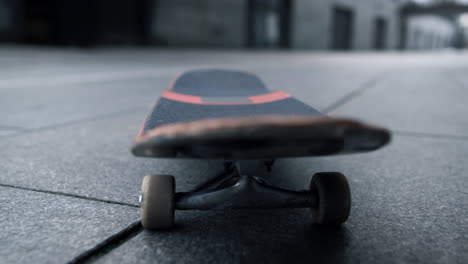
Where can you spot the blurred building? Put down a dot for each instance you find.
(302, 24)
(430, 32)
(264, 24)
(75, 22)
(8, 20)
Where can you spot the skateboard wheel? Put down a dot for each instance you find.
(157, 201)
(334, 198)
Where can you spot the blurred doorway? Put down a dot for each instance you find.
(37, 24)
(269, 23)
(86, 22)
(380, 33)
(343, 21)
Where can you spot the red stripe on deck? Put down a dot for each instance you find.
(142, 129)
(271, 97)
(182, 97)
(256, 99)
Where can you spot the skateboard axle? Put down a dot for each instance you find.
(243, 191)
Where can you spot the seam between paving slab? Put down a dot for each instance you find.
(429, 135)
(115, 241)
(18, 131)
(88, 77)
(370, 84)
(74, 122)
(106, 245)
(353, 94)
(452, 77)
(16, 128)
(68, 195)
(109, 244)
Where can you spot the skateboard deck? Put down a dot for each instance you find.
(220, 114)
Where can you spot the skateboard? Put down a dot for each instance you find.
(232, 117)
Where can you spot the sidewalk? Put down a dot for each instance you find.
(69, 185)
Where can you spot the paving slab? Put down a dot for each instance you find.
(6, 130)
(91, 159)
(458, 76)
(52, 98)
(51, 86)
(17, 62)
(409, 206)
(42, 106)
(72, 136)
(422, 100)
(45, 105)
(319, 85)
(79, 134)
(45, 228)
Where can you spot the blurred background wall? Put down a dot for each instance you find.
(75, 22)
(303, 24)
(345, 24)
(429, 32)
(264, 24)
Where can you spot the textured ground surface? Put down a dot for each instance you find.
(69, 185)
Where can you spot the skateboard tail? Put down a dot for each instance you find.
(260, 138)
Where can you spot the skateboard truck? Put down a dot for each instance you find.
(328, 196)
(243, 190)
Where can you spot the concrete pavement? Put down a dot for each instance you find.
(69, 186)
